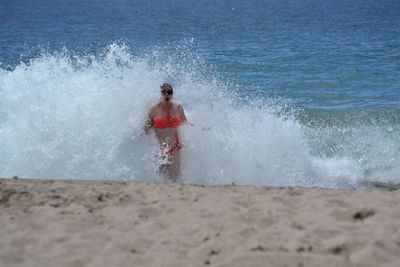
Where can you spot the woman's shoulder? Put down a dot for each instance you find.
(177, 105)
(155, 106)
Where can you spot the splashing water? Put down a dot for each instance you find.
(81, 117)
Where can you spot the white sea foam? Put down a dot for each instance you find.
(81, 117)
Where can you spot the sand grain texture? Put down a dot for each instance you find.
(76, 223)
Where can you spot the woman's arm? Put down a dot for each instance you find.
(183, 116)
(149, 122)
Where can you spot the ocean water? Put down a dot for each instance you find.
(291, 92)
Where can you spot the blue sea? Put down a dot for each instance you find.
(281, 93)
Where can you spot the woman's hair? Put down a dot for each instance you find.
(166, 86)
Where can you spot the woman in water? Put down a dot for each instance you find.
(166, 117)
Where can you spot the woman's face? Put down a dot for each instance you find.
(167, 94)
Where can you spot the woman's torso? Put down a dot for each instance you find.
(167, 121)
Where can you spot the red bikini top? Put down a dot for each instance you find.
(168, 121)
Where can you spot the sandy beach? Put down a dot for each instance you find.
(85, 223)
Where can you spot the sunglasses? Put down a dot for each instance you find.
(167, 92)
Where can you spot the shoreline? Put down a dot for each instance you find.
(116, 223)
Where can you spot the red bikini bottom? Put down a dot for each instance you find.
(171, 150)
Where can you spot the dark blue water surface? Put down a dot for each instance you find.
(319, 54)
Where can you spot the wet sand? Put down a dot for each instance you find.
(78, 223)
